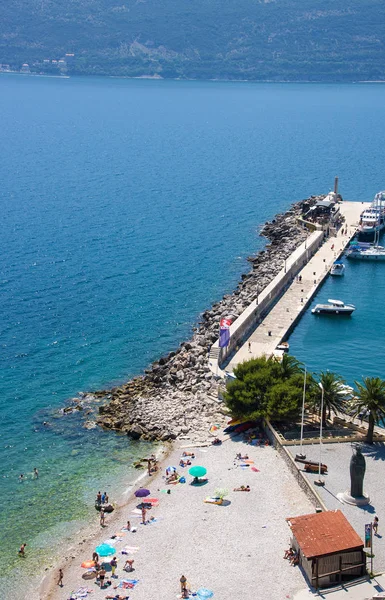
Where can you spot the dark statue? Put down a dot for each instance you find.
(357, 472)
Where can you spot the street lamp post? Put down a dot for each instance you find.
(320, 481)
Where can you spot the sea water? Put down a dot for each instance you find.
(127, 208)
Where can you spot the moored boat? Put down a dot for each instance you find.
(337, 269)
(372, 219)
(335, 307)
(371, 253)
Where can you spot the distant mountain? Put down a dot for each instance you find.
(278, 40)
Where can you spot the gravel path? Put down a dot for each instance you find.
(236, 550)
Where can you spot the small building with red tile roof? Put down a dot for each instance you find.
(328, 548)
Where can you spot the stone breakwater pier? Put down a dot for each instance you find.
(271, 316)
(177, 397)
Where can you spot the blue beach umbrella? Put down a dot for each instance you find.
(171, 469)
(105, 550)
(203, 593)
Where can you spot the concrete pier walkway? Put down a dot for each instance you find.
(278, 323)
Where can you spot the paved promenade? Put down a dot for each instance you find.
(288, 309)
(337, 480)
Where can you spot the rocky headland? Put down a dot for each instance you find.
(177, 397)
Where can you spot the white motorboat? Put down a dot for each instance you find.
(335, 307)
(372, 219)
(371, 253)
(337, 269)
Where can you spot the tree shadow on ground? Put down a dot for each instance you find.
(375, 451)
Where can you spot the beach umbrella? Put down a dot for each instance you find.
(146, 505)
(197, 471)
(221, 493)
(105, 550)
(88, 564)
(171, 469)
(204, 593)
(142, 493)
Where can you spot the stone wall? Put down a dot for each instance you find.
(241, 329)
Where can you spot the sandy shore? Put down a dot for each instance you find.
(235, 549)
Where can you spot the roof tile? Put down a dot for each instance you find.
(324, 533)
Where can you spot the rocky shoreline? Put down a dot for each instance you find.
(177, 397)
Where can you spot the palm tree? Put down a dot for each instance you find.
(370, 396)
(290, 366)
(333, 390)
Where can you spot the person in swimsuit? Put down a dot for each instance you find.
(22, 550)
(36, 473)
(183, 586)
(102, 574)
(102, 518)
(128, 565)
(60, 581)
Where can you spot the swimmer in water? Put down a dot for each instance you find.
(35, 473)
(21, 477)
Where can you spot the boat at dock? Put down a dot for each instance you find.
(335, 307)
(372, 220)
(371, 253)
(337, 269)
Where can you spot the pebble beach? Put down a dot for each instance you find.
(232, 549)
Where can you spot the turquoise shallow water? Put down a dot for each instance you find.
(127, 208)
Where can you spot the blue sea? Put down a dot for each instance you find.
(127, 208)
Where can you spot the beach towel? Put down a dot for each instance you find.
(244, 465)
(128, 583)
(153, 501)
(81, 593)
(155, 520)
(111, 541)
(255, 469)
(248, 462)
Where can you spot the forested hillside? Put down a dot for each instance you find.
(301, 40)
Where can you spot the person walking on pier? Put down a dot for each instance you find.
(249, 346)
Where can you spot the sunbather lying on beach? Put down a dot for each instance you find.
(173, 477)
(118, 597)
(183, 463)
(198, 480)
(188, 454)
(243, 488)
(240, 457)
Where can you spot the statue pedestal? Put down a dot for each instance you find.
(355, 500)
